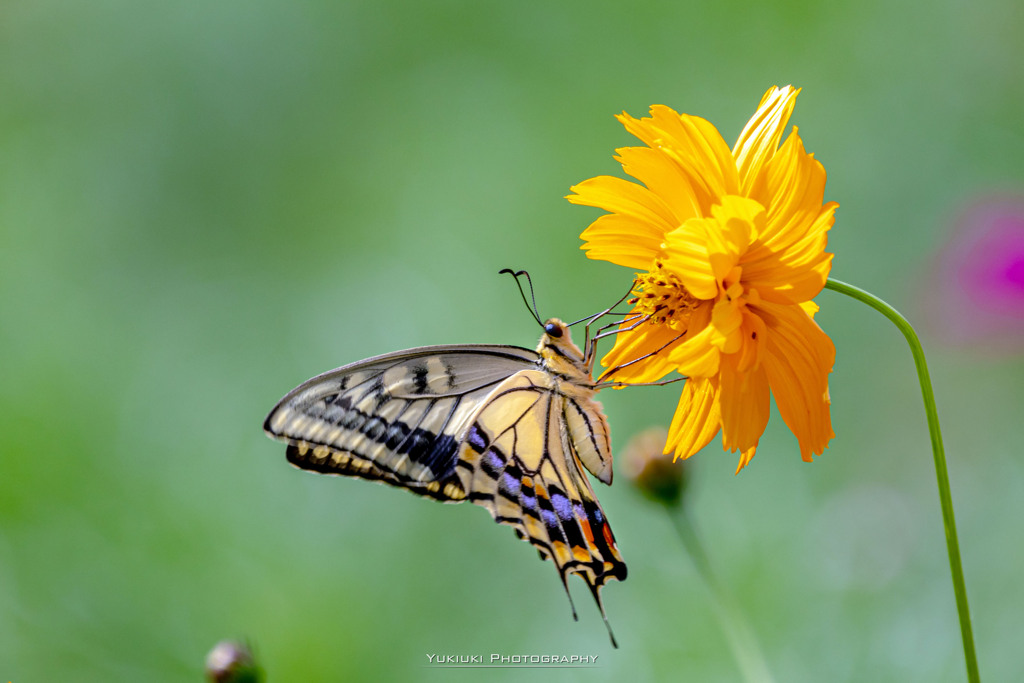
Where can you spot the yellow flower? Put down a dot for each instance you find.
(732, 245)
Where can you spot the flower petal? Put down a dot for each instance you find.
(695, 145)
(617, 195)
(798, 359)
(665, 178)
(754, 332)
(789, 263)
(623, 240)
(793, 193)
(790, 283)
(687, 255)
(726, 320)
(697, 418)
(745, 458)
(620, 196)
(750, 214)
(697, 357)
(731, 237)
(632, 233)
(703, 251)
(745, 402)
(760, 137)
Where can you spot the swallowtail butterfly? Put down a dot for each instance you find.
(504, 427)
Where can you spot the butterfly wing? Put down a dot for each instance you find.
(397, 418)
(520, 462)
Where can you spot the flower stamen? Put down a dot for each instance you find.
(662, 298)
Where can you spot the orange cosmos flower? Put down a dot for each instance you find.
(732, 245)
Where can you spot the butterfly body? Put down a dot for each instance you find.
(504, 427)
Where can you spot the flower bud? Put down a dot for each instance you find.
(645, 464)
(232, 662)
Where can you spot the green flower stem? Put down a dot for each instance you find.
(741, 638)
(945, 498)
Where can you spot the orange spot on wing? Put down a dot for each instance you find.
(585, 524)
(607, 533)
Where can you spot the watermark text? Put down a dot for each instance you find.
(500, 660)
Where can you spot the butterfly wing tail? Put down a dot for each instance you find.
(594, 590)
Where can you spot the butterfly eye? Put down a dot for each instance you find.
(553, 330)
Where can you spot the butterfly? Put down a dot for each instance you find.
(504, 427)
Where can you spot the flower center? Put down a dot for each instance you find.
(662, 298)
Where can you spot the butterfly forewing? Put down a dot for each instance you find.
(508, 428)
(398, 417)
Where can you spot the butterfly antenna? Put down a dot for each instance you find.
(533, 298)
(608, 311)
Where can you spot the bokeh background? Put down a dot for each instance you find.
(204, 203)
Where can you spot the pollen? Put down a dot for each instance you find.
(662, 298)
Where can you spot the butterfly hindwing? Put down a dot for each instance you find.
(522, 467)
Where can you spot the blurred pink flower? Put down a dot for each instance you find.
(975, 295)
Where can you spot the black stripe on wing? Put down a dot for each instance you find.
(325, 461)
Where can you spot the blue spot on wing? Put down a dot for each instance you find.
(562, 506)
(476, 439)
(495, 460)
(550, 519)
(529, 499)
(509, 486)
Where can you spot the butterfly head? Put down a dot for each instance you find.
(555, 328)
(558, 354)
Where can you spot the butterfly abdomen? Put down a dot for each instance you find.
(584, 420)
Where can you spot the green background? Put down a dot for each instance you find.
(204, 203)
